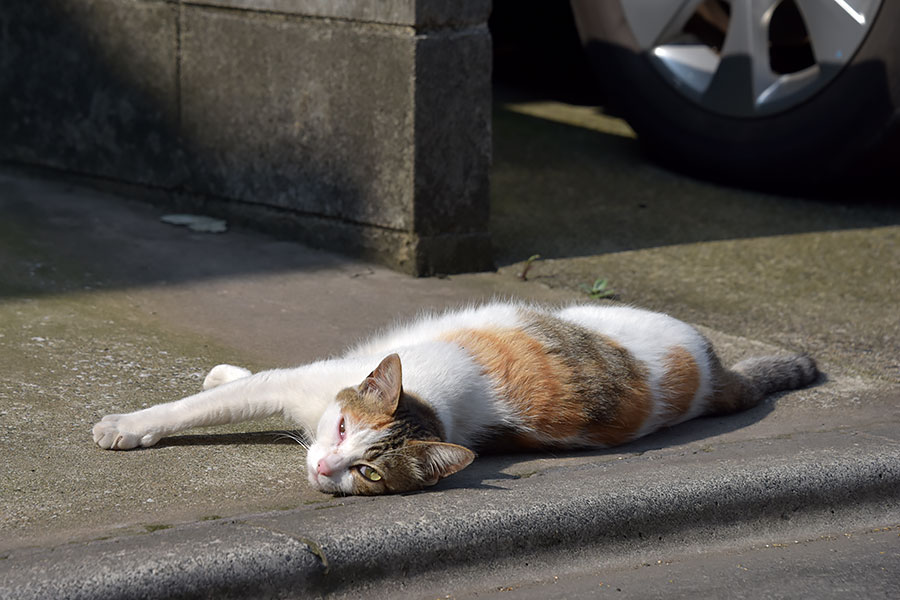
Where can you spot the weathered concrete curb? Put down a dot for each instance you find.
(316, 552)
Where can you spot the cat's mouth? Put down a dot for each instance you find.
(324, 483)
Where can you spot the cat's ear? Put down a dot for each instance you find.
(386, 384)
(441, 458)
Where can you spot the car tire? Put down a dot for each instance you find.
(848, 128)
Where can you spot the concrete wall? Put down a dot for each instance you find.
(358, 125)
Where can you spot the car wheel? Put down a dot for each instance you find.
(753, 91)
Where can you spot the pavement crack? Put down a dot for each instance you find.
(312, 545)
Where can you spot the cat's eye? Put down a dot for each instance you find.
(369, 473)
(342, 430)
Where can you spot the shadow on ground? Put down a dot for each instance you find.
(48, 244)
(567, 181)
(498, 466)
(570, 181)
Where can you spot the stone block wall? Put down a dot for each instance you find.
(356, 125)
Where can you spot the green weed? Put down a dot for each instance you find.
(599, 290)
(523, 275)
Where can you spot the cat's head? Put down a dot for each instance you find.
(378, 439)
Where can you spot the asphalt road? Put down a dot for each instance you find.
(859, 564)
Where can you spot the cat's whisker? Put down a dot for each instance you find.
(281, 435)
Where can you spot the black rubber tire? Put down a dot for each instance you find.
(850, 128)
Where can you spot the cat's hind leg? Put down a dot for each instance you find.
(223, 374)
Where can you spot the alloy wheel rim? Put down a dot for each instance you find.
(750, 58)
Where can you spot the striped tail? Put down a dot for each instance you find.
(752, 379)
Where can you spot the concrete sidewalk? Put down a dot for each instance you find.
(105, 309)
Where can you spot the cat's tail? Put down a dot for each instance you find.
(752, 379)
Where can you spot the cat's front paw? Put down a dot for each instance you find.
(119, 432)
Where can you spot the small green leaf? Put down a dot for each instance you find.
(599, 290)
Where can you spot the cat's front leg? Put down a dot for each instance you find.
(232, 395)
(146, 427)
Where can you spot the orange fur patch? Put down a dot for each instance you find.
(681, 381)
(535, 383)
(634, 408)
(367, 419)
(358, 409)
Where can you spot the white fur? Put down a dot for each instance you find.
(223, 374)
(429, 327)
(342, 454)
(439, 372)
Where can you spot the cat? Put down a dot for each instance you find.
(502, 375)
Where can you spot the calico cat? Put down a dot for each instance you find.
(503, 375)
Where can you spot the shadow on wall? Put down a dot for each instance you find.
(91, 100)
(130, 82)
(123, 90)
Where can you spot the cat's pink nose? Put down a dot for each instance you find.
(322, 468)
